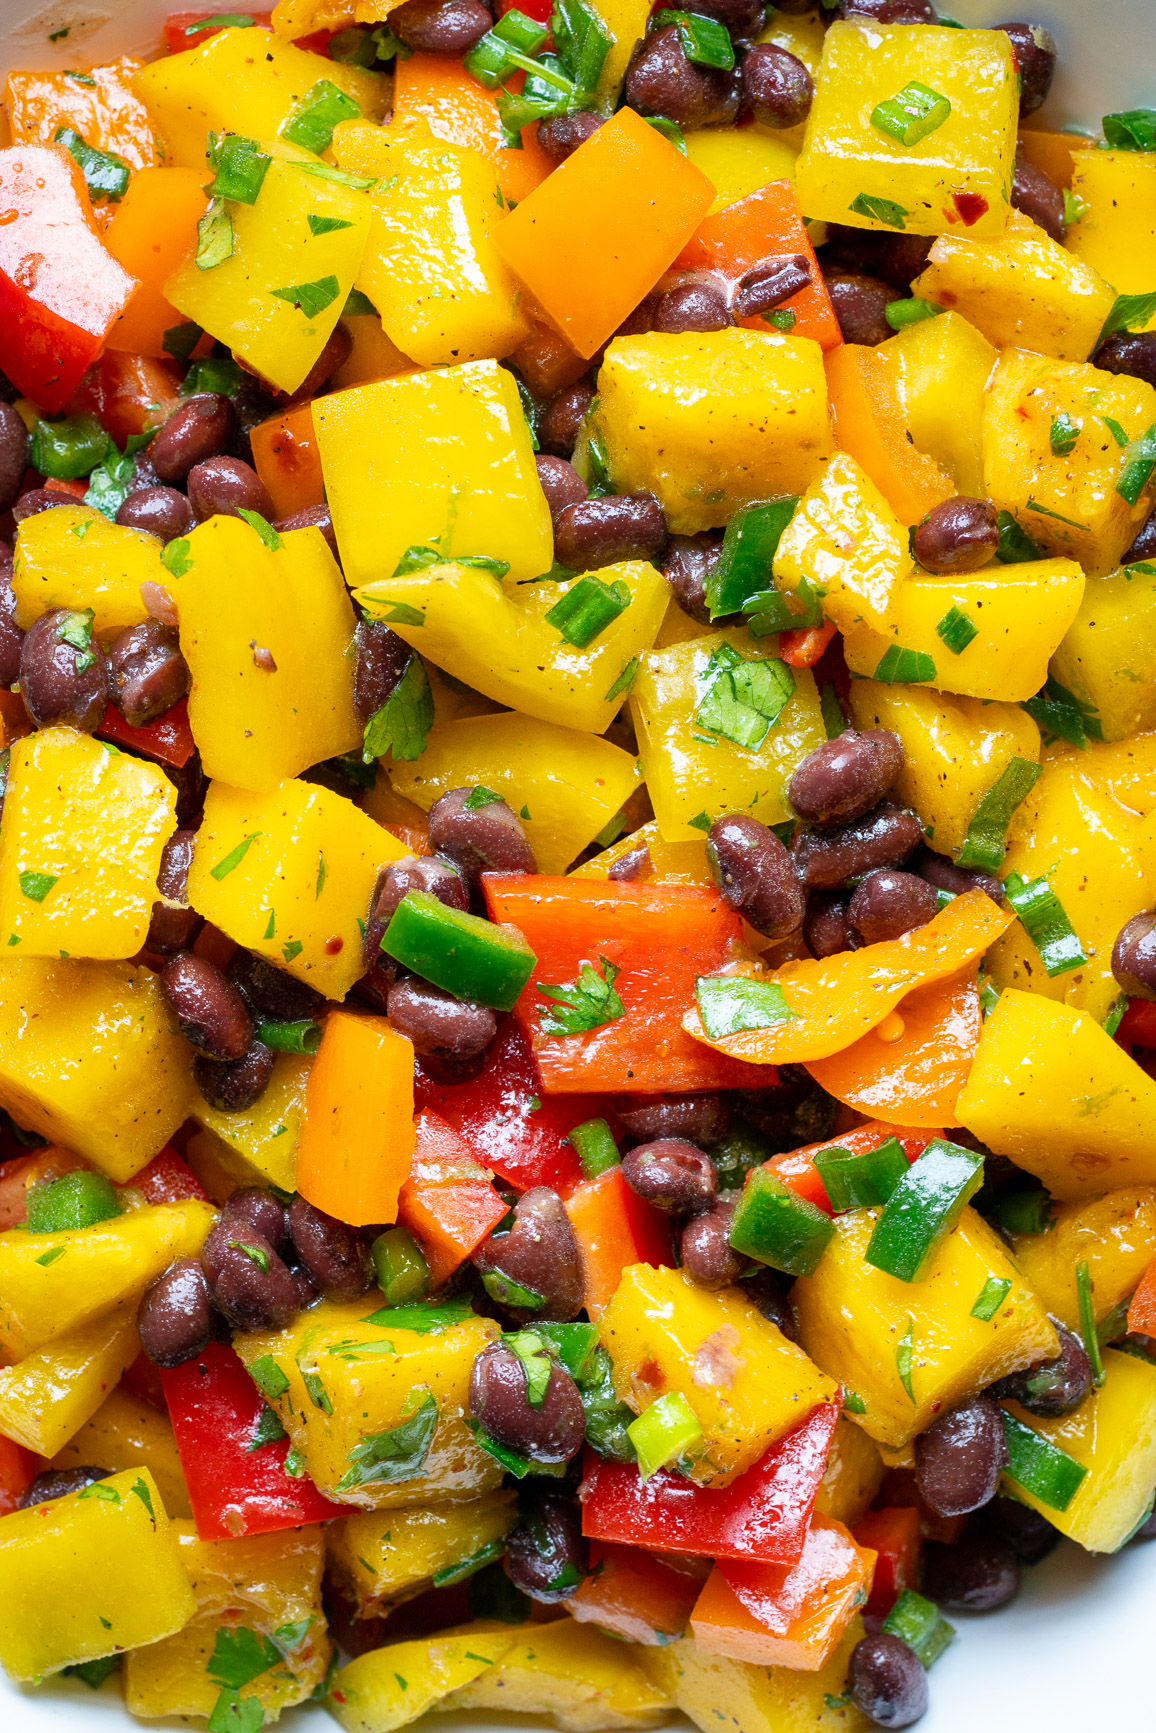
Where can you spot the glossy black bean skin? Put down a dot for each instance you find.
(561, 135)
(380, 658)
(739, 16)
(271, 992)
(885, 837)
(212, 1014)
(1051, 1388)
(888, 11)
(11, 637)
(39, 499)
(1131, 352)
(755, 873)
(765, 1291)
(560, 482)
(162, 511)
(1038, 197)
(540, 1254)
(233, 1085)
(190, 782)
(221, 486)
(889, 903)
(53, 686)
(332, 1255)
(13, 455)
(959, 1457)
(256, 1206)
(438, 878)
(768, 285)
(171, 929)
(550, 1433)
(547, 1539)
(887, 1681)
(316, 517)
(480, 839)
(175, 1320)
(149, 675)
(1134, 957)
(825, 926)
(661, 80)
(201, 428)
(605, 531)
(976, 1575)
(1030, 1535)
(696, 304)
(562, 419)
(777, 88)
(845, 777)
(1144, 546)
(701, 1119)
(250, 1285)
(858, 303)
(672, 1175)
(441, 26)
(946, 876)
(959, 535)
(1035, 52)
(436, 1022)
(58, 1483)
(705, 1249)
(635, 864)
(686, 564)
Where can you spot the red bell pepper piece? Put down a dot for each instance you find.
(234, 1490)
(143, 1380)
(636, 1596)
(168, 1179)
(17, 1472)
(169, 738)
(764, 1514)
(179, 35)
(658, 938)
(128, 394)
(893, 1533)
(615, 1228)
(804, 646)
(60, 287)
(448, 1201)
(797, 1167)
(1137, 1027)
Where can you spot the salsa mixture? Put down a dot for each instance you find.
(578, 860)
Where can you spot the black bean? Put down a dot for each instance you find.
(859, 303)
(976, 1575)
(201, 428)
(605, 531)
(272, 993)
(958, 535)
(212, 1014)
(222, 486)
(162, 511)
(765, 1291)
(1130, 352)
(380, 660)
(755, 873)
(888, 903)
(438, 878)
(1030, 1535)
(845, 777)
(256, 1206)
(701, 1119)
(825, 927)
(777, 88)
(635, 864)
(946, 876)
(560, 482)
(661, 80)
(673, 1175)
(250, 1285)
(959, 1457)
(39, 499)
(332, 1255)
(561, 135)
(547, 1555)
(552, 1432)
(1038, 197)
(13, 455)
(1134, 957)
(436, 1022)
(478, 839)
(58, 1483)
(315, 517)
(884, 837)
(1035, 54)
(234, 1085)
(770, 283)
(538, 1254)
(1144, 546)
(705, 1248)
(887, 1681)
(441, 26)
(888, 11)
(175, 1320)
(740, 16)
(686, 564)
(11, 637)
(698, 303)
(563, 417)
(190, 782)
(59, 682)
(902, 258)
(1051, 1388)
(149, 675)
(172, 929)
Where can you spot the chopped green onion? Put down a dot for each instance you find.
(75, 1200)
(214, 237)
(300, 1037)
(920, 1624)
(417, 558)
(728, 1004)
(1088, 1322)
(750, 542)
(741, 700)
(1035, 1463)
(401, 726)
(310, 298)
(1064, 434)
(1016, 547)
(923, 1209)
(105, 175)
(241, 166)
(321, 109)
(457, 1573)
(956, 631)
(403, 1275)
(422, 1320)
(900, 314)
(1024, 1212)
(508, 1292)
(268, 1376)
(506, 49)
(775, 1226)
(898, 666)
(597, 1150)
(1045, 921)
(587, 1003)
(904, 1354)
(1060, 714)
(467, 956)
(859, 1180)
(985, 844)
(587, 608)
(912, 114)
(1118, 433)
(990, 1298)
(323, 172)
(536, 1363)
(582, 42)
(704, 41)
(624, 681)
(1132, 129)
(576, 1346)
(221, 21)
(1139, 462)
(1127, 313)
(664, 1432)
(880, 210)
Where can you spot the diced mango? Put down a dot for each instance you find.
(1107, 657)
(73, 557)
(801, 34)
(385, 1557)
(81, 845)
(719, 1693)
(125, 1431)
(625, 23)
(48, 1396)
(711, 421)
(578, 1676)
(672, 863)
(941, 368)
(739, 160)
(853, 1475)
(264, 1137)
(853, 1318)
(390, 1687)
(1114, 1235)
(1116, 231)
(845, 539)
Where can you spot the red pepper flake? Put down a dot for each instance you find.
(971, 206)
(334, 945)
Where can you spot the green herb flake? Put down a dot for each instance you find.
(310, 298)
(700, 821)
(401, 726)
(1138, 463)
(268, 1430)
(326, 225)
(1063, 716)
(853, 1403)
(903, 1356)
(221, 21)
(741, 700)
(36, 886)
(51, 1256)
(479, 797)
(588, 1003)
(1127, 313)
(1016, 547)
(1088, 1334)
(1131, 129)
(215, 238)
(322, 171)
(880, 210)
(899, 666)
(256, 1254)
(985, 844)
(1046, 511)
(234, 857)
(956, 631)
(1074, 207)
(990, 1298)
(292, 950)
(1046, 923)
(175, 557)
(322, 108)
(105, 175)
(399, 1453)
(1118, 433)
(1064, 434)
(729, 1004)
(239, 1656)
(624, 681)
(704, 41)
(262, 526)
(102, 1490)
(75, 629)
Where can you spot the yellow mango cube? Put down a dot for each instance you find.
(954, 751)
(124, 1432)
(940, 369)
(1107, 657)
(801, 34)
(578, 1676)
(90, 1057)
(845, 539)
(440, 460)
(1126, 769)
(693, 775)
(673, 863)
(263, 1137)
(739, 160)
(624, 21)
(385, 1557)
(1067, 503)
(852, 1477)
(1114, 1235)
(746, 1383)
(289, 875)
(713, 1691)
(431, 267)
(392, 1686)
(1053, 1091)
(1113, 1435)
(1116, 231)
(358, 1391)
(959, 174)
(853, 1318)
(500, 641)
(710, 421)
(81, 845)
(78, 559)
(565, 786)
(47, 1397)
(88, 1575)
(1021, 613)
(257, 724)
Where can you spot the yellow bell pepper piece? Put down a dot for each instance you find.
(385, 1557)
(289, 874)
(672, 863)
(746, 1383)
(954, 751)
(1113, 1435)
(1114, 1235)
(90, 1059)
(440, 459)
(1125, 769)
(297, 18)
(88, 1575)
(959, 173)
(262, 1139)
(390, 1687)
(366, 1392)
(1068, 504)
(852, 1477)
(48, 1396)
(81, 846)
(1116, 232)
(1107, 657)
(853, 1318)
(712, 1690)
(1053, 1091)
(1022, 613)
(692, 776)
(124, 1432)
(845, 539)
(500, 641)
(78, 559)
(739, 160)
(577, 1675)
(565, 786)
(940, 368)
(255, 725)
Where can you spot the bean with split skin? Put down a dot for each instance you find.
(311, 517)
(975, 1575)
(777, 88)
(660, 80)
(175, 1321)
(887, 1680)
(437, 878)
(698, 303)
(826, 929)
(959, 1458)
(756, 874)
(1134, 957)
(958, 535)
(888, 903)
(223, 486)
(1038, 197)
(171, 929)
(1130, 352)
(547, 1555)
(332, 1254)
(845, 777)
(161, 511)
(380, 658)
(274, 995)
(441, 26)
(58, 682)
(1051, 1388)
(233, 1085)
(885, 837)
(563, 416)
(672, 1175)
(201, 428)
(552, 1432)
(256, 1206)
(859, 303)
(11, 637)
(250, 1285)
(53, 1483)
(946, 876)
(562, 134)
(436, 1022)
(212, 1014)
(705, 1249)
(608, 530)
(13, 455)
(686, 565)
(38, 499)
(701, 1119)
(560, 482)
(149, 674)
(769, 284)
(479, 839)
(1035, 54)
(540, 1254)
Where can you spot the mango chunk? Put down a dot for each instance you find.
(48, 1396)
(1114, 1235)
(845, 539)
(740, 1697)
(1115, 232)
(263, 1138)
(124, 1431)
(385, 1557)
(739, 160)
(78, 559)
(940, 368)
(1107, 656)
(580, 1677)
(392, 1686)
(852, 1477)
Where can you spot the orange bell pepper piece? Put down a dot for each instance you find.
(916, 1078)
(286, 457)
(127, 394)
(763, 225)
(797, 1169)
(447, 1202)
(869, 425)
(1142, 1310)
(785, 1616)
(100, 104)
(357, 1139)
(837, 1000)
(635, 1595)
(599, 233)
(614, 1228)
(152, 229)
(458, 109)
(894, 1536)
